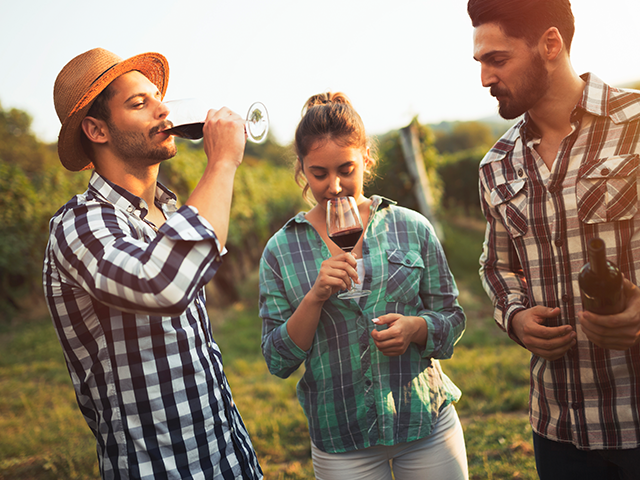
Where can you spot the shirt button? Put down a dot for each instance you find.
(566, 298)
(558, 242)
(605, 172)
(129, 209)
(520, 172)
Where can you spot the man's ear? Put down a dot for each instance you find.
(95, 130)
(551, 44)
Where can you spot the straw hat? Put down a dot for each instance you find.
(81, 81)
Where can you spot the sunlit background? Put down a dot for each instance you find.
(394, 59)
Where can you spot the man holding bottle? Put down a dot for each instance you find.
(124, 277)
(565, 173)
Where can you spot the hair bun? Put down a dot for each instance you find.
(326, 98)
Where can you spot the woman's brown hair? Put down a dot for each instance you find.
(329, 116)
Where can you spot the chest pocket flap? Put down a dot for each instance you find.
(405, 273)
(607, 189)
(510, 200)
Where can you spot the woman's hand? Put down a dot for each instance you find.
(401, 331)
(335, 275)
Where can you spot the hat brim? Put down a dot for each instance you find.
(70, 150)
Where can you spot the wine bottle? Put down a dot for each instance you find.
(600, 282)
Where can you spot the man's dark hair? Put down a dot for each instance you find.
(100, 108)
(525, 19)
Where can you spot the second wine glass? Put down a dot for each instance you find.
(188, 115)
(344, 227)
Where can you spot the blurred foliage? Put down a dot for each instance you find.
(32, 187)
(392, 179)
(462, 146)
(459, 174)
(464, 136)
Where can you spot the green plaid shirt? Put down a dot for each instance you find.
(353, 396)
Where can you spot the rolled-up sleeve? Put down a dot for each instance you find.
(445, 318)
(282, 355)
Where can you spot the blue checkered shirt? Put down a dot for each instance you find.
(128, 305)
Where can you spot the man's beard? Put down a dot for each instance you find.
(535, 83)
(136, 147)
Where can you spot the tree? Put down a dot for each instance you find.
(19, 146)
(460, 176)
(392, 179)
(464, 136)
(33, 185)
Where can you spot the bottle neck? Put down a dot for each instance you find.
(597, 257)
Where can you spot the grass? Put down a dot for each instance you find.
(45, 437)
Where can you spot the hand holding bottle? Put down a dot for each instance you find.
(600, 281)
(620, 331)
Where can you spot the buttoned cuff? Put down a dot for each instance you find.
(507, 318)
(435, 334)
(285, 346)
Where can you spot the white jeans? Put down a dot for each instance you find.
(440, 456)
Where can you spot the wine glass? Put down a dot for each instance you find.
(344, 227)
(188, 115)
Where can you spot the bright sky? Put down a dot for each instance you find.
(394, 59)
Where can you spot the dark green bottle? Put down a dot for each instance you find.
(600, 282)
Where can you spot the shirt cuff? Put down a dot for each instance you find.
(507, 319)
(286, 346)
(434, 338)
(188, 225)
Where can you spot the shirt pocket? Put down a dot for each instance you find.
(405, 274)
(510, 201)
(606, 190)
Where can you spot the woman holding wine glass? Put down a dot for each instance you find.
(373, 389)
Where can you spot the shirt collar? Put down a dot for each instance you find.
(598, 99)
(619, 104)
(124, 199)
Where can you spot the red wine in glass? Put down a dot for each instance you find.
(190, 131)
(344, 227)
(346, 239)
(187, 116)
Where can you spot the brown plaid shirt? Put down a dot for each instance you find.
(539, 222)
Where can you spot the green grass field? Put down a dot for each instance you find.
(45, 437)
